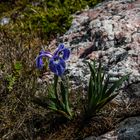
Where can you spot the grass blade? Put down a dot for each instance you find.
(116, 85)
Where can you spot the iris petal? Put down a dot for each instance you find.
(62, 62)
(57, 65)
(39, 61)
(57, 61)
(41, 52)
(62, 52)
(60, 47)
(60, 70)
(66, 53)
(52, 66)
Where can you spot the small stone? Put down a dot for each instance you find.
(4, 21)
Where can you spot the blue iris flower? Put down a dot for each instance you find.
(56, 62)
(62, 52)
(57, 65)
(39, 61)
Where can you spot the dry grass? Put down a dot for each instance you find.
(105, 121)
(15, 105)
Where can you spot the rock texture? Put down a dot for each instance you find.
(129, 129)
(110, 32)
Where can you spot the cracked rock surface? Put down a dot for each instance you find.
(110, 32)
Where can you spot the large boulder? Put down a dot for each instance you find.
(110, 32)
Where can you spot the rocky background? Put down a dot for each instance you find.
(110, 32)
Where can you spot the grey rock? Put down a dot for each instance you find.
(133, 90)
(96, 32)
(95, 24)
(129, 129)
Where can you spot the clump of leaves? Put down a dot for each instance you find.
(11, 81)
(11, 78)
(57, 99)
(100, 92)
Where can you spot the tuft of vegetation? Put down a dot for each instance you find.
(100, 92)
(47, 18)
(57, 99)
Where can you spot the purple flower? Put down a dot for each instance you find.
(57, 65)
(62, 52)
(57, 61)
(39, 61)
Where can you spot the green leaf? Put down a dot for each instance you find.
(18, 66)
(92, 95)
(50, 91)
(92, 68)
(105, 101)
(58, 104)
(55, 86)
(105, 87)
(98, 92)
(60, 108)
(90, 89)
(116, 85)
(99, 81)
(65, 98)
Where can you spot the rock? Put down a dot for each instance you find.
(129, 129)
(111, 35)
(108, 136)
(133, 90)
(109, 32)
(91, 138)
